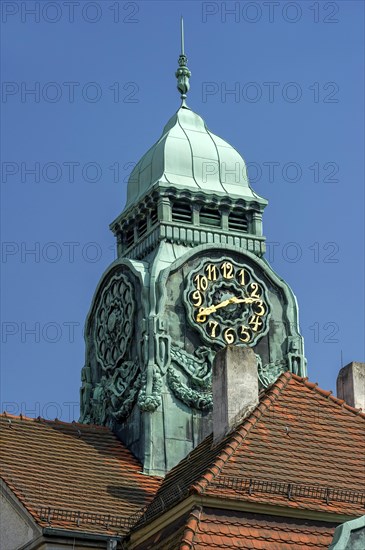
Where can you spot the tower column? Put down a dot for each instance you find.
(196, 213)
(256, 224)
(225, 215)
(164, 209)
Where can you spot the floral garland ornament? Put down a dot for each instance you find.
(192, 398)
(151, 401)
(198, 372)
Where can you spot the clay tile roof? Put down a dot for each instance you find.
(300, 448)
(72, 476)
(212, 529)
(218, 530)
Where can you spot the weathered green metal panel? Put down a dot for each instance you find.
(349, 535)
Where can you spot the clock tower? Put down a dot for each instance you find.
(190, 278)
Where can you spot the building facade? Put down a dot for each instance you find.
(199, 428)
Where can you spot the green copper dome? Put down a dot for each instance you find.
(189, 156)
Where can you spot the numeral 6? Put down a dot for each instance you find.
(229, 335)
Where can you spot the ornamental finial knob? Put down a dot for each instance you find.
(183, 74)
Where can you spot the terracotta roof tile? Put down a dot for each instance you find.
(301, 447)
(71, 475)
(211, 529)
(256, 531)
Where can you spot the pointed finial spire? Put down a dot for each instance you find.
(183, 74)
(182, 35)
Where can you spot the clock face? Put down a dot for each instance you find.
(227, 302)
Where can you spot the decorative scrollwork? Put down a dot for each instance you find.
(85, 394)
(98, 413)
(123, 387)
(114, 322)
(114, 396)
(128, 400)
(163, 342)
(149, 402)
(270, 372)
(198, 372)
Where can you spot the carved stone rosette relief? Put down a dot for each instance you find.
(116, 392)
(114, 321)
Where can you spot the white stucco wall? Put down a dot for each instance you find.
(15, 529)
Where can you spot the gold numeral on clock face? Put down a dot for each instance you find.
(212, 272)
(256, 291)
(197, 298)
(229, 335)
(213, 328)
(259, 308)
(228, 302)
(244, 334)
(227, 269)
(255, 323)
(201, 282)
(243, 277)
(201, 318)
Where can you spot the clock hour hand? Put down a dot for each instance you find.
(212, 309)
(233, 300)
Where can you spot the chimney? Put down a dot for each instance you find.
(235, 388)
(351, 385)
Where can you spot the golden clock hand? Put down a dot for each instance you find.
(222, 304)
(212, 309)
(233, 300)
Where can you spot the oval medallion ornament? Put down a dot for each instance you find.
(113, 328)
(227, 302)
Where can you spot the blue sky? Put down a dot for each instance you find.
(102, 75)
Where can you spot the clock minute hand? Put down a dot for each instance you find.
(235, 300)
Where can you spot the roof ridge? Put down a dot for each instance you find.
(191, 526)
(10, 416)
(236, 437)
(328, 394)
